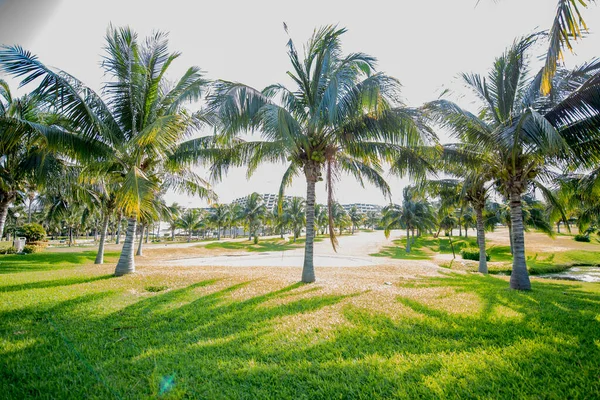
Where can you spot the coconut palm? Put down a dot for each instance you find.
(136, 135)
(191, 220)
(372, 219)
(253, 213)
(355, 217)
(522, 134)
(321, 218)
(341, 116)
(414, 213)
(295, 215)
(218, 217)
(234, 215)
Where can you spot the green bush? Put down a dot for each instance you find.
(28, 249)
(582, 238)
(33, 232)
(8, 250)
(472, 254)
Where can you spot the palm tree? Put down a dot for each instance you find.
(294, 215)
(172, 214)
(218, 217)
(234, 214)
(355, 217)
(253, 213)
(372, 219)
(321, 218)
(190, 221)
(415, 213)
(136, 135)
(30, 139)
(522, 134)
(342, 116)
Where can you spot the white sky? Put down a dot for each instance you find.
(424, 44)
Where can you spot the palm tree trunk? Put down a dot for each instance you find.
(510, 236)
(140, 251)
(219, 232)
(126, 264)
(100, 255)
(29, 212)
(519, 278)
(3, 213)
(558, 227)
(308, 269)
(481, 241)
(407, 240)
(118, 228)
(70, 236)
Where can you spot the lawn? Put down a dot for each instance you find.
(77, 332)
(263, 245)
(426, 247)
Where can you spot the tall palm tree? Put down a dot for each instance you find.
(524, 133)
(253, 213)
(136, 135)
(295, 215)
(341, 116)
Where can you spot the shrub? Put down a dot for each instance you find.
(28, 249)
(33, 232)
(582, 238)
(8, 250)
(472, 254)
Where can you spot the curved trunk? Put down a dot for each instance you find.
(407, 240)
(481, 241)
(308, 268)
(519, 278)
(140, 251)
(126, 264)
(100, 255)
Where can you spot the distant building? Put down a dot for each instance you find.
(362, 208)
(269, 200)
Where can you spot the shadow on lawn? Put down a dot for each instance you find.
(215, 346)
(45, 261)
(53, 283)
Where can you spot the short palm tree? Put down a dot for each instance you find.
(295, 215)
(191, 220)
(218, 217)
(356, 217)
(414, 213)
(341, 116)
(253, 213)
(521, 134)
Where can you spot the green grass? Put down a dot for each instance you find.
(263, 245)
(95, 336)
(45, 261)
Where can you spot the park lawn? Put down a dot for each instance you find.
(185, 333)
(45, 261)
(263, 245)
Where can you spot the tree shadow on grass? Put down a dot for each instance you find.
(44, 261)
(53, 283)
(214, 345)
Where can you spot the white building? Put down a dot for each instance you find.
(269, 200)
(362, 208)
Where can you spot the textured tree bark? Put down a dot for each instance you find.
(308, 269)
(3, 213)
(481, 241)
(519, 278)
(100, 255)
(140, 251)
(126, 264)
(119, 217)
(407, 240)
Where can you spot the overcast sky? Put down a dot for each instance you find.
(424, 44)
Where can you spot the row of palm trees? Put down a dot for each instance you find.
(123, 148)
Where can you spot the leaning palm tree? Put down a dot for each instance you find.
(135, 135)
(341, 116)
(524, 133)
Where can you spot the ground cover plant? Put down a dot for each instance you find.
(203, 333)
